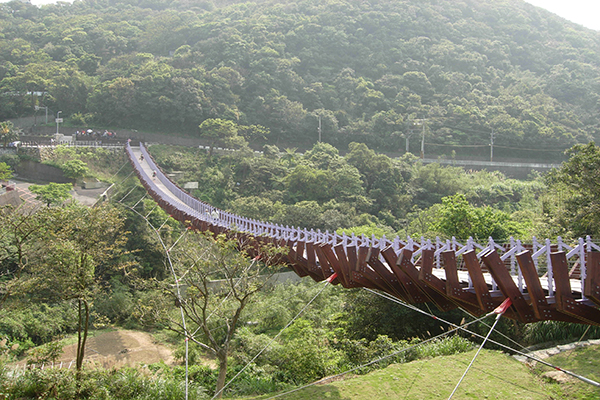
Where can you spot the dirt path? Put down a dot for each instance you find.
(121, 348)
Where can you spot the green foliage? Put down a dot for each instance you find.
(221, 132)
(118, 304)
(48, 353)
(98, 384)
(571, 204)
(52, 193)
(75, 169)
(8, 133)
(548, 332)
(444, 347)
(368, 230)
(457, 218)
(12, 160)
(306, 355)
(5, 172)
(39, 323)
(175, 66)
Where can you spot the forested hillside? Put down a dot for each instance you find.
(375, 72)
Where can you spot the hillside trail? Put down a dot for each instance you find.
(121, 348)
(117, 349)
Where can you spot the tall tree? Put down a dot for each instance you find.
(221, 132)
(19, 230)
(219, 282)
(52, 193)
(80, 244)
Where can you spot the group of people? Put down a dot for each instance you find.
(93, 134)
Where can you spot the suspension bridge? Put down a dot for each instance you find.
(544, 280)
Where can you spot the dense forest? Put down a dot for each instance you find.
(380, 72)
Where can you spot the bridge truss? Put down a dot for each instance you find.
(545, 280)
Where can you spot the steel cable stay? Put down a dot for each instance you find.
(122, 166)
(127, 177)
(463, 328)
(361, 366)
(271, 304)
(500, 311)
(128, 193)
(179, 297)
(430, 314)
(327, 282)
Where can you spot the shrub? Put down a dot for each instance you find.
(558, 331)
(444, 347)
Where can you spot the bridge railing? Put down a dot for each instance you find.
(189, 205)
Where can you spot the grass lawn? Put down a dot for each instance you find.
(584, 361)
(493, 376)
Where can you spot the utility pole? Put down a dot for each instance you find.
(423, 140)
(492, 145)
(319, 128)
(408, 135)
(58, 120)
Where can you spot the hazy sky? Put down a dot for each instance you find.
(583, 12)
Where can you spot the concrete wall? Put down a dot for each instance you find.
(34, 171)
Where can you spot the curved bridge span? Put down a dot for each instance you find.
(544, 280)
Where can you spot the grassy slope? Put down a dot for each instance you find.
(584, 361)
(493, 376)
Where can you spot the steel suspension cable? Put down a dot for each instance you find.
(412, 307)
(363, 365)
(179, 298)
(128, 193)
(462, 327)
(500, 310)
(122, 166)
(127, 177)
(327, 282)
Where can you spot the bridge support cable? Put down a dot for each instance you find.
(151, 211)
(500, 311)
(430, 314)
(463, 328)
(122, 166)
(180, 298)
(441, 335)
(327, 282)
(139, 201)
(128, 193)
(178, 239)
(163, 224)
(127, 177)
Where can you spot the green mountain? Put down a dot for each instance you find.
(372, 71)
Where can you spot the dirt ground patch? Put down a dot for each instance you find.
(120, 348)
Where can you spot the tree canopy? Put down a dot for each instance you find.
(378, 73)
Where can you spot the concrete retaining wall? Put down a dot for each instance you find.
(37, 172)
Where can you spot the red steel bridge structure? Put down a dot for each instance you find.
(544, 280)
